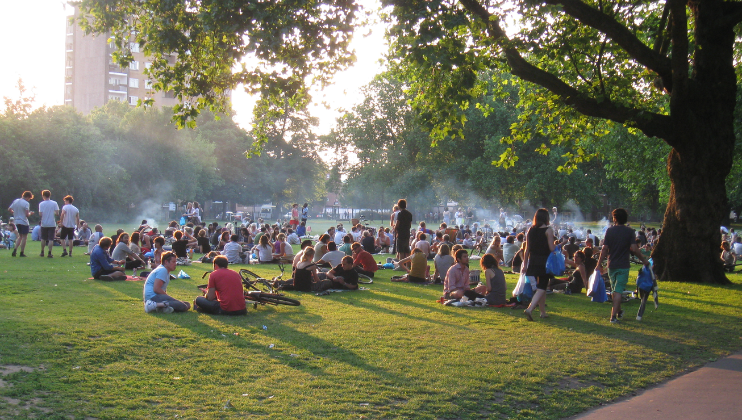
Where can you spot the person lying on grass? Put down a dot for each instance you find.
(101, 263)
(419, 272)
(155, 288)
(224, 294)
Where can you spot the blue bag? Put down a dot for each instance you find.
(645, 281)
(555, 263)
(596, 288)
(527, 294)
(183, 220)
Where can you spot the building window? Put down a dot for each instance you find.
(147, 64)
(134, 83)
(134, 47)
(134, 65)
(133, 100)
(148, 84)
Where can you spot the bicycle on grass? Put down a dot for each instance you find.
(258, 290)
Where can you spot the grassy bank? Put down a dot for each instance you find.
(387, 352)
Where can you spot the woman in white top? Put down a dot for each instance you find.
(264, 249)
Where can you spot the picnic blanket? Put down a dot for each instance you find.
(128, 278)
(328, 291)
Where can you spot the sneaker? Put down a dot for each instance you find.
(41, 255)
(167, 310)
(50, 255)
(614, 321)
(150, 306)
(13, 254)
(64, 253)
(638, 318)
(22, 255)
(106, 278)
(620, 314)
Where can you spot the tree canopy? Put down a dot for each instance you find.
(665, 68)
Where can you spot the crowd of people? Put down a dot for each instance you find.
(336, 258)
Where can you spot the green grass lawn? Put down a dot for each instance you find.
(388, 352)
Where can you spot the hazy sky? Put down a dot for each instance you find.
(33, 33)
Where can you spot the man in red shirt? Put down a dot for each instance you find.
(363, 261)
(224, 295)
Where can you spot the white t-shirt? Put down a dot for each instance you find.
(738, 248)
(424, 246)
(334, 257)
(339, 237)
(19, 207)
(232, 252)
(149, 285)
(70, 216)
(47, 209)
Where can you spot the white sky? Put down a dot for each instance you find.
(33, 34)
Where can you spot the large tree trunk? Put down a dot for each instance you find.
(688, 250)
(702, 108)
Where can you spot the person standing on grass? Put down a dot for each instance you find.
(304, 214)
(618, 243)
(224, 294)
(539, 244)
(402, 230)
(155, 288)
(20, 209)
(48, 210)
(70, 219)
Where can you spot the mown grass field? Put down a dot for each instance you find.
(389, 352)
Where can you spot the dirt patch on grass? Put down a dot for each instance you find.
(8, 369)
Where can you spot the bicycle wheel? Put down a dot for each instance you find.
(248, 275)
(263, 285)
(278, 300)
(364, 279)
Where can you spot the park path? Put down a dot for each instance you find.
(711, 392)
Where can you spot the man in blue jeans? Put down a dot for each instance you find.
(618, 244)
(155, 288)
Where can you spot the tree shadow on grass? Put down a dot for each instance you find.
(312, 351)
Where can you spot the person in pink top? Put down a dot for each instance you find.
(456, 284)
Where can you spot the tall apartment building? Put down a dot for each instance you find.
(92, 78)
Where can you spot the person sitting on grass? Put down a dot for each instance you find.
(442, 261)
(333, 257)
(382, 241)
(281, 249)
(363, 261)
(305, 278)
(579, 278)
(180, 247)
(343, 276)
(368, 242)
(204, 247)
(456, 284)
(159, 242)
(347, 241)
(101, 263)
(728, 257)
(297, 258)
(155, 288)
(321, 247)
(224, 294)
(570, 248)
(292, 238)
(494, 288)
(419, 271)
(233, 251)
(123, 252)
(264, 250)
(495, 249)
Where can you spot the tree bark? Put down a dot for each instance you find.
(702, 108)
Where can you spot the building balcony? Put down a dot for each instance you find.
(120, 89)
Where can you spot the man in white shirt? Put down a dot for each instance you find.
(293, 238)
(48, 210)
(339, 234)
(70, 219)
(20, 208)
